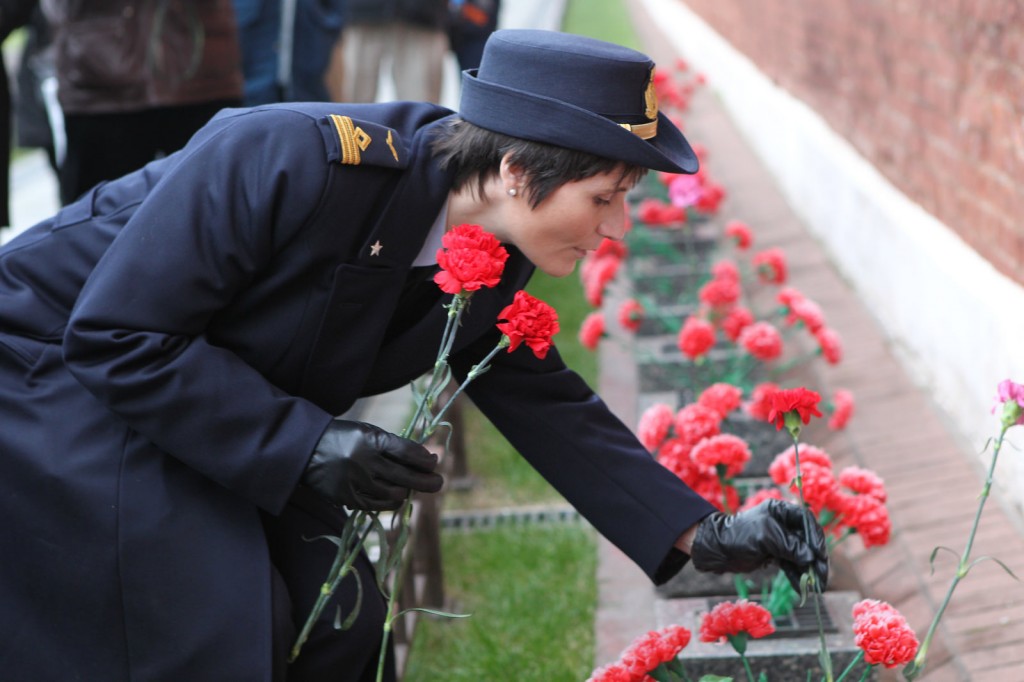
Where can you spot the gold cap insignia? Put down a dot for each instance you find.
(650, 99)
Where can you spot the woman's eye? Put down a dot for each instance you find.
(602, 202)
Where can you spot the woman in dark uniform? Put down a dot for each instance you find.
(176, 345)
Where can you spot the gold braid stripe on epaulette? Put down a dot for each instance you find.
(353, 139)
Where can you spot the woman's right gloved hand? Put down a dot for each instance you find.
(361, 466)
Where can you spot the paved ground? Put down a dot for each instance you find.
(932, 478)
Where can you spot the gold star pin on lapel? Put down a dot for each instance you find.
(375, 248)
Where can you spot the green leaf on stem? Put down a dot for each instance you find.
(433, 612)
(992, 558)
(714, 678)
(330, 538)
(935, 552)
(347, 623)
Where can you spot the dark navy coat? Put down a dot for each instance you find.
(173, 345)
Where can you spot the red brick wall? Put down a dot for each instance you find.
(930, 91)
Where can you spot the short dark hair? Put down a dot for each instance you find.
(476, 155)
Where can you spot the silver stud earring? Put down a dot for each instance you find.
(512, 191)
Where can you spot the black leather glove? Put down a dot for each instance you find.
(771, 531)
(362, 466)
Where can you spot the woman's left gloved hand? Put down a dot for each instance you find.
(771, 531)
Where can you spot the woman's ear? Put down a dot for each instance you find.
(512, 176)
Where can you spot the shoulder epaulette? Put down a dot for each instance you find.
(353, 142)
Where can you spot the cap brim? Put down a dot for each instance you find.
(543, 119)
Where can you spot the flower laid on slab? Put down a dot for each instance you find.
(653, 655)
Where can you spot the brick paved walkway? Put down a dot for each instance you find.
(932, 477)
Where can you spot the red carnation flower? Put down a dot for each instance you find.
(616, 672)
(654, 425)
(738, 319)
(883, 634)
(725, 269)
(730, 619)
(806, 311)
(863, 482)
(631, 314)
(720, 293)
(674, 455)
(725, 449)
(761, 496)
(842, 409)
(867, 516)
(654, 648)
(695, 422)
(760, 403)
(696, 337)
(528, 320)
(831, 345)
(470, 258)
(739, 232)
(762, 340)
(802, 401)
(596, 274)
(721, 397)
(591, 330)
(783, 468)
(771, 266)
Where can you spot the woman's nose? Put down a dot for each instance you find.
(614, 225)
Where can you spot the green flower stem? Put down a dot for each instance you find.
(434, 385)
(746, 666)
(341, 567)
(853, 664)
(915, 668)
(793, 424)
(389, 614)
(476, 371)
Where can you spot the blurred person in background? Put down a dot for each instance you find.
(471, 22)
(136, 78)
(287, 47)
(406, 39)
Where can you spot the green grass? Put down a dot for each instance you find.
(604, 19)
(532, 595)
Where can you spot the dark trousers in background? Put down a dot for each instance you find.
(106, 146)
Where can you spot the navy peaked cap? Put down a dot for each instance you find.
(575, 92)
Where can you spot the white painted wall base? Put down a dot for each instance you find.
(956, 322)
